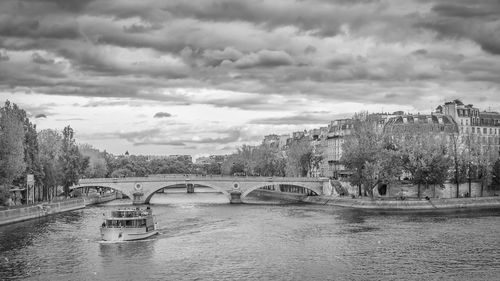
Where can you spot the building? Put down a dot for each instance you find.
(271, 140)
(481, 126)
(332, 151)
(421, 123)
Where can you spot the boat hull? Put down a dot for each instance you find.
(126, 234)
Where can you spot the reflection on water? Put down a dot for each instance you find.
(204, 238)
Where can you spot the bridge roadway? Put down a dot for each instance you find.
(141, 189)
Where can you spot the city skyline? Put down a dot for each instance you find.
(205, 77)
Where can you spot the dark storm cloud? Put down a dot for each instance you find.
(326, 50)
(264, 58)
(69, 5)
(474, 20)
(40, 116)
(53, 28)
(471, 9)
(162, 115)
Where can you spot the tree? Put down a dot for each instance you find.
(460, 157)
(370, 154)
(485, 163)
(70, 160)
(12, 142)
(50, 143)
(96, 167)
(300, 158)
(268, 161)
(495, 182)
(425, 157)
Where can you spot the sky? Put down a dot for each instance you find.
(204, 77)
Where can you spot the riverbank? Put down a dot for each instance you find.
(98, 199)
(41, 210)
(287, 197)
(20, 213)
(409, 204)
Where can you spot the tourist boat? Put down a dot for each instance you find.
(128, 225)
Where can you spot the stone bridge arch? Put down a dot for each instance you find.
(112, 186)
(315, 189)
(153, 190)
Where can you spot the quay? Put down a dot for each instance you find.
(22, 213)
(388, 204)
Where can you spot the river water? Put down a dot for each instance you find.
(204, 238)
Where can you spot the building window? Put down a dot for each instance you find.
(473, 130)
(467, 122)
(485, 130)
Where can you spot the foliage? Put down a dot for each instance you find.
(370, 155)
(268, 161)
(96, 167)
(70, 160)
(4, 194)
(50, 143)
(425, 158)
(32, 156)
(460, 156)
(495, 183)
(301, 158)
(12, 144)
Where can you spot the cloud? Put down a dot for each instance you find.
(303, 118)
(3, 56)
(483, 9)
(264, 58)
(162, 115)
(476, 21)
(166, 143)
(37, 58)
(40, 116)
(266, 64)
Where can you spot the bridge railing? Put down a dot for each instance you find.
(188, 177)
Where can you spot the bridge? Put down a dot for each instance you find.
(141, 189)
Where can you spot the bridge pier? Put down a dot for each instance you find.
(235, 197)
(190, 187)
(138, 200)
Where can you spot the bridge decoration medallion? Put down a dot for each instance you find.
(138, 189)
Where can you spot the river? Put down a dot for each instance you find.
(204, 238)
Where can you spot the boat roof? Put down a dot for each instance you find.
(126, 218)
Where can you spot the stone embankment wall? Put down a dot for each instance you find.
(410, 190)
(41, 210)
(90, 200)
(415, 205)
(294, 197)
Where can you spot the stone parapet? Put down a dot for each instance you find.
(415, 205)
(37, 211)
